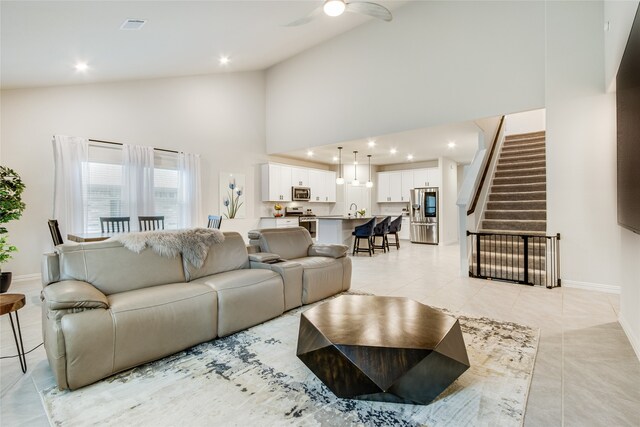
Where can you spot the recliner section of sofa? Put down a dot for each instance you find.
(326, 268)
(107, 309)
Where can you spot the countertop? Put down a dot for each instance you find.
(344, 218)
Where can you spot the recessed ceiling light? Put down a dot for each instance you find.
(224, 60)
(410, 157)
(451, 144)
(335, 158)
(393, 151)
(309, 153)
(371, 143)
(81, 67)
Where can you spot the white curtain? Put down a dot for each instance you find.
(71, 157)
(137, 182)
(189, 191)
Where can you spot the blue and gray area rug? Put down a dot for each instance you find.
(254, 378)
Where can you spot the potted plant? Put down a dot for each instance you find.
(11, 207)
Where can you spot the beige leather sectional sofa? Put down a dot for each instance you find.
(107, 309)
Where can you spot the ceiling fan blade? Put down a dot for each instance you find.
(371, 9)
(310, 17)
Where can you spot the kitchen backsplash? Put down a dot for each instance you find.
(319, 209)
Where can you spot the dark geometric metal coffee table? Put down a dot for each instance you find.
(382, 348)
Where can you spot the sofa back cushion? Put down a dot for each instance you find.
(289, 243)
(112, 268)
(229, 255)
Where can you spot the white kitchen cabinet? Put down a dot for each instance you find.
(407, 185)
(276, 183)
(300, 177)
(404, 234)
(278, 222)
(429, 177)
(330, 186)
(316, 183)
(389, 187)
(383, 187)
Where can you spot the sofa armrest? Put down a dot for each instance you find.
(71, 294)
(265, 257)
(328, 250)
(291, 273)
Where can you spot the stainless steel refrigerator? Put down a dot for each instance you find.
(424, 215)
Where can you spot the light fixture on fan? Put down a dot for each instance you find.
(355, 181)
(369, 184)
(334, 7)
(338, 7)
(339, 179)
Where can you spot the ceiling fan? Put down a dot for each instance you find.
(338, 7)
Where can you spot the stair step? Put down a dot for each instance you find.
(516, 214)
(525, 179)
(515, 225)
(520, 159)
(537, 134)
(513, 188)
(520, 153)
(528, 195)
(536, 276)
(525, 205)
(510, 261)
(504, 244)
(521, 165)
(523, 145)
(520, 172)
(524, 141)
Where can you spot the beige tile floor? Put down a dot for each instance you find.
(586, 372)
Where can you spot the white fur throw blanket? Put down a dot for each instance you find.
(192, 243)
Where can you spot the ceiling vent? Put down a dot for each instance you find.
(132, 24)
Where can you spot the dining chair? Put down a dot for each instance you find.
(364, 231)
(148, 223)
(115, 224)
(215, 221)
(394, 228)
(55, 232)
(381, 230)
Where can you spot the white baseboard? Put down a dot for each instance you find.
(26, 277)
(635, 342)
(599, 287)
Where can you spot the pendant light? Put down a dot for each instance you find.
(355, 181)
(339, 179)
(369, 184)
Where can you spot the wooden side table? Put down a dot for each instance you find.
(11, 303)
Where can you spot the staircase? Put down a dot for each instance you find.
(517, 200)
(511, 243)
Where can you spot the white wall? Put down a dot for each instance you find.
(448, 195)
(525, 122)
(220, 117)
(581, 162)
(436, 62)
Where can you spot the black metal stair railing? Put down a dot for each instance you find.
(519, 258)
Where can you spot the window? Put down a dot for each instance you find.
(103, 176)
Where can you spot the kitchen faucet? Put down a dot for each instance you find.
(353, 204)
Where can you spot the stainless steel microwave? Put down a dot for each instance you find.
(300, 193)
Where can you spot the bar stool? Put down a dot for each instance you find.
(381, 230)
(364, 231)
(394, 228)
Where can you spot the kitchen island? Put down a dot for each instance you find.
(338, 229)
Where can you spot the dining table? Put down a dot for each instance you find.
(89, 237)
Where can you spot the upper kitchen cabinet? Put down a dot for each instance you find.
(276, 183)
(389, 187)
(407, 185)
(323, 186)
(300, 177)
(429, 177)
